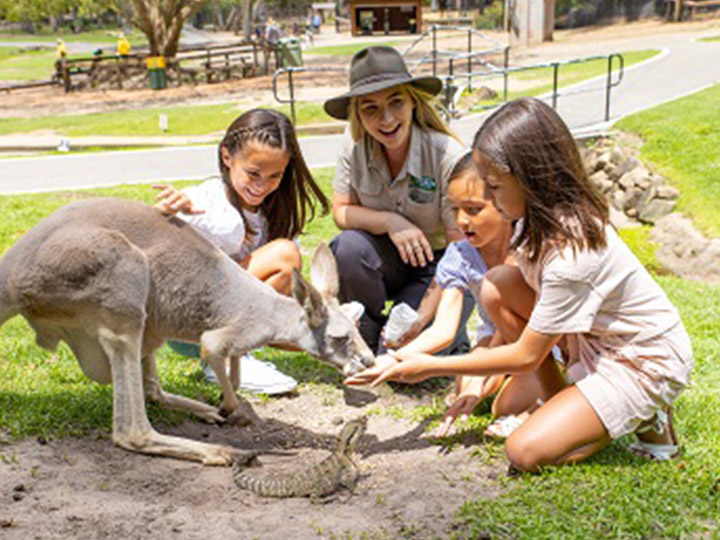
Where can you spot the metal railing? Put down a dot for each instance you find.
(505, 72)
(291, 86)
(491, 71)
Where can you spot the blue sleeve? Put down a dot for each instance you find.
(451, 272)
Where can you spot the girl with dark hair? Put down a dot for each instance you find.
(253, 212)
(576, 285)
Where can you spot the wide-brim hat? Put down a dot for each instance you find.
(377, 68)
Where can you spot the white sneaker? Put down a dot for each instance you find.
(258, 377)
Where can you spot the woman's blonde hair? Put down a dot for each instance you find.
(426, 113)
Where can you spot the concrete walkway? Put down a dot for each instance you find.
(685, 66)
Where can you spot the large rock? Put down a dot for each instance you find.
(656, 209)
(684, 250)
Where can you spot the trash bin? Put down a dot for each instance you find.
(156, 67)
(290, 52)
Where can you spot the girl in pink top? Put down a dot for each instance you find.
(577, 285)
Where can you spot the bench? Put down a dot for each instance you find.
(674, 8)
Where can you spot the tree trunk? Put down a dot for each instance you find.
(247, 19)
(162, 21)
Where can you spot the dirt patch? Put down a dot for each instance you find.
(87, 488)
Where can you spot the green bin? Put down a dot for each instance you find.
(156, 67)
(290, 52)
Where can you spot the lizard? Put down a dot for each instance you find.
(320, 480)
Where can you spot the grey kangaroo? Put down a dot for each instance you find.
(114, 279)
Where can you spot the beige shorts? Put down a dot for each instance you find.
(628, 386)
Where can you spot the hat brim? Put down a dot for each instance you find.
(337, 107)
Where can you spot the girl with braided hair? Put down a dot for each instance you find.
(253, 213)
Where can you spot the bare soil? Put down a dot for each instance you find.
(87, 488)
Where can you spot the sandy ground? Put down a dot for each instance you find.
(87, 488)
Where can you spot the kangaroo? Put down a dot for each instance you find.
(114, 279)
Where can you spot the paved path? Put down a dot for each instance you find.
(685, 66)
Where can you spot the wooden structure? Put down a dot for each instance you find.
(385, 16)
(679, 10)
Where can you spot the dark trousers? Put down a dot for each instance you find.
(371, 272)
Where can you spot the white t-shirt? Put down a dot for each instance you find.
(221, 223)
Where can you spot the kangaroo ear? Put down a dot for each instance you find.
(323, 272)
(310, 300)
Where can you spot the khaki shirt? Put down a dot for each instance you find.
(418, 193)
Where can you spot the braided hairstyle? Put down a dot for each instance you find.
(286, 209)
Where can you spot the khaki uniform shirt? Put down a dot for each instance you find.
(418, 193)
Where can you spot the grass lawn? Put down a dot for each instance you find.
(26, 66)
(612, 495)
(108, 35)
(182, 120)
(682, 139)
(347, 49)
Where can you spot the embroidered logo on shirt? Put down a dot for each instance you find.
(422, 190)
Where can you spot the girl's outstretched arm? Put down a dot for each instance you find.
(444, 327)
(523, 356)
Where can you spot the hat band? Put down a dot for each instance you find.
(401, 78)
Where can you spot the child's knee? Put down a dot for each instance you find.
(287, 255)
(497, 283)
(524, 452)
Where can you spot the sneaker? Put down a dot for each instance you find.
(258, 377)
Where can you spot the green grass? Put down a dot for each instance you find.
(681, 143)
(93, 36)
(612, 495)
(26, 66)
(714, 38)
(347, 49)
(182, 120)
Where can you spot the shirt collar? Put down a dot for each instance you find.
(413, 161)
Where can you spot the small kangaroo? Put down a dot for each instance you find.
(114, 279)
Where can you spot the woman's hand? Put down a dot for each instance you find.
(410, 241)
(413, 368)
(172, 201)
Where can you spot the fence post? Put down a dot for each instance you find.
(434, 51)
(64, 72)
(469, 67)
(506, 65)
(450, 90)
(608, 85)
(556, 68)
(292, 96)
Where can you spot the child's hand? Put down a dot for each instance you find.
(412, 368)
(407, 337)
(368, 375)
(410, 242)
(172, 201)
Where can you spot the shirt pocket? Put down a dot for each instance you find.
(423, 209)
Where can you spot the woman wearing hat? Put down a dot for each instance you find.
(390, 186)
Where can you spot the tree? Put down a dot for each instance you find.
(161, 21)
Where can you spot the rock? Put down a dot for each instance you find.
(647, 196)
(626, 166)
(617, 157)
(667, 192)
(656, 209)
(617, 199)
(600, 180)
(602, 161)
(631, 199)
(484, 93)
